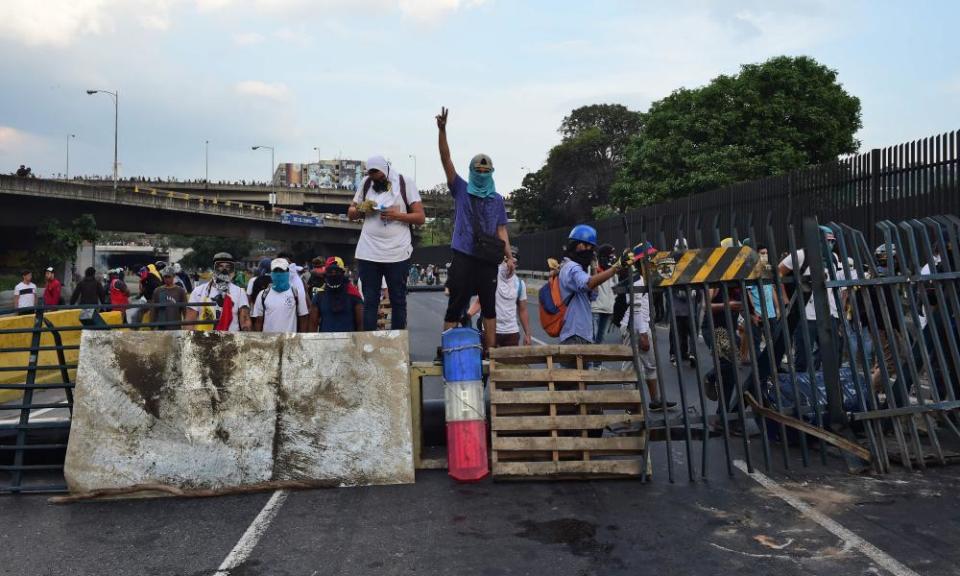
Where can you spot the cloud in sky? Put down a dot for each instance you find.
(357, 77)
(277, 91)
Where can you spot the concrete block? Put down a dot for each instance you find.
(211, 410)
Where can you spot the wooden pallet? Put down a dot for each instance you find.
(562, 421)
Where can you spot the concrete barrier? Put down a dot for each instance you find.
(210, 410)
(59, 318)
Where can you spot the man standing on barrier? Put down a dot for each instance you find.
(512, 311)
(229, 310)
(389, 204)
(480, 242)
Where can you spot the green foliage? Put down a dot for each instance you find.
(438, 206)
(580, 170)
(58, 242)
(204, 247)
(783, 114)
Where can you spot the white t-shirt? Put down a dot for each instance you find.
(605, 297)
(28, 294)
(386, 241)
(810, 310)
(280, 309)
(510, 292)
(250, 285)
(208, 291)
(641, 310)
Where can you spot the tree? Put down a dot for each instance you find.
(438, 229)
(783, 114)
(58, 243)
(204, 247)
(580, 170)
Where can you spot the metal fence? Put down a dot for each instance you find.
(903, 181)
(858, 352)
(34, 429)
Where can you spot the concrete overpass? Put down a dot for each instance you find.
(327, 200)
(132, 208)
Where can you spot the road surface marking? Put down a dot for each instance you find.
(254, 532)
(538, 341)
(850, 540)
(33, 415)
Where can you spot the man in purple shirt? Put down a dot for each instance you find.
(478, 211)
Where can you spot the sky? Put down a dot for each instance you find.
(356, 78)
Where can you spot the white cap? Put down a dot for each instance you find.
(280, 263)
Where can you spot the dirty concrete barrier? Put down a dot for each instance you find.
(214, 410)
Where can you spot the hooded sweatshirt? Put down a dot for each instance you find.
(382, 241)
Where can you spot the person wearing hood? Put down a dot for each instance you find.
(389, 204)
(230, 309)
(151, 282)
(182, 278)
(89, 290)
(480, 242)
(338, 307)
(260, 281)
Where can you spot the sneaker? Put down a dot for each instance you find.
(658, 406)
(692, 360)
(673, 360)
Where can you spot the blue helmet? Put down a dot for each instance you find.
(583, 233)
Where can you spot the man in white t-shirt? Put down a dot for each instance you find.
(389, 204)
(281, 307)
(229, 310)
(25, 293)
(511, 307)
(788, 267)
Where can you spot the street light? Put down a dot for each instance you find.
(116, 116)
(69, 136)
(414, 156)
(272, 165)
(206, 163)
(317, 149)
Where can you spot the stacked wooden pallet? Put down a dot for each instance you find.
(561, 419)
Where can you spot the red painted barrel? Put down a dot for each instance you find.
(467, 450)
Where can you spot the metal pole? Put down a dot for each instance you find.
(206, 163)
(69, 136)
(116, 120)
(414, 157)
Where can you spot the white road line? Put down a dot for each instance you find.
(33, 415)
(538, 341)
(254, 532)
(851, 540)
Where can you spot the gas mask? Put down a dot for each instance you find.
(223, 273)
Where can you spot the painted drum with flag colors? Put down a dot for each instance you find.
(465, 412)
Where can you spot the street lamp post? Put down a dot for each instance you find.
(116, 117)
(272, 167)
(69, 136)
(206, 164)
(414, 157)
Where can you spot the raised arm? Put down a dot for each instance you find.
(448, 168)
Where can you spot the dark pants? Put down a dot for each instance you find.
(778, 348)
(371, 276)
(685, 335)
(800, 357)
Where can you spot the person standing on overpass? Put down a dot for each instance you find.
(480, 242)
(389, 204)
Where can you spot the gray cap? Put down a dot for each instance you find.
(481, 160)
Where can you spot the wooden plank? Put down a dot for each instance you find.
(567, 397)
(593, 467)
(569, 443)
(536, 354)
(537, 377)
(555, 455)
(562, 422)
(829, 437)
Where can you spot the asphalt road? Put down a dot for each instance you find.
(819, 520)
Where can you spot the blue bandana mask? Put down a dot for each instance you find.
(280, 281)
(481, 184)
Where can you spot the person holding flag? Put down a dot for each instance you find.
(230, 311)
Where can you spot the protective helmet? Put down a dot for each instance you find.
(583, 233)
(827, 233)
(680, 244)
(644, 250)
(222, 257)
(727, 243)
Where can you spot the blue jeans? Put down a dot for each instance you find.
(600, 323)
(371, 277)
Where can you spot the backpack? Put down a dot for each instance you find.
(553, 308)
(367, 183)
(296, 301)
(260, 283)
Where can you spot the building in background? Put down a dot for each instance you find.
(340, 174)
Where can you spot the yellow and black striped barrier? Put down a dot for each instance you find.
(707, 265)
